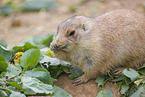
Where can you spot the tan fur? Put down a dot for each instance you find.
(112, 39)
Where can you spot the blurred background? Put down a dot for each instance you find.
(22, 19)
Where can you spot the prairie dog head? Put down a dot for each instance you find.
(69, 34)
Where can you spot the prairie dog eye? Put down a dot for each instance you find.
(72, 33)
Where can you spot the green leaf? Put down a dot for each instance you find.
(143, 82)
(75, 72)
(2, 58)
(118, 79)
(54, 65)
(37, 5)
(124, 88)
(3, 93)
(30, 58)
(41, 74)
(131, 73)
(15, 84)
(119, 85)
(23, 48)
(142, 95)
(2, 83)
(105, 93)
(137, 82)
(13, 70)
(142, 71)
(100, 81)
(32, 86)
(3, 43)
(132, 90)
(44, 50)
(10, 88)
(3, 65)
(49, 53)
(55, 72)
(28, 46)
(128, 80)
(53, 61)
(58, 92)
(16, 94)
(6, 53)
(43, 39)
(138, 92)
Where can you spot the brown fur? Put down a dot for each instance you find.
(102, 43)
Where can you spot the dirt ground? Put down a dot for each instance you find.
(46, 22)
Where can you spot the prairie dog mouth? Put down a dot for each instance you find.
(55, 48)
(65, 46)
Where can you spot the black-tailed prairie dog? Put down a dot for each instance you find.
(116, 38)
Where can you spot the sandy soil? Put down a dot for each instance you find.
(46, 22)
(89, 89)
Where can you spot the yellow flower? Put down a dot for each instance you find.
(18, 57)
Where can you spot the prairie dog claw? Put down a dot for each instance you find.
(80, 80)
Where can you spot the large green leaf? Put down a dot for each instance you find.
(58, 92)
(30, 58)
(100, 81)
(6, 53)
(32, 86)
(131, 73)
(41, 74)
(3, 43)
(105, 93)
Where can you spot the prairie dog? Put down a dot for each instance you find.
(99, 44)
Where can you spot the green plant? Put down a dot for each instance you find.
(28, 70)
(131, 83)
(24, 72)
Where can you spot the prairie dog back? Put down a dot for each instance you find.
(123, 35)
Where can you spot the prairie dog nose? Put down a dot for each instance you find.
(54, 47)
